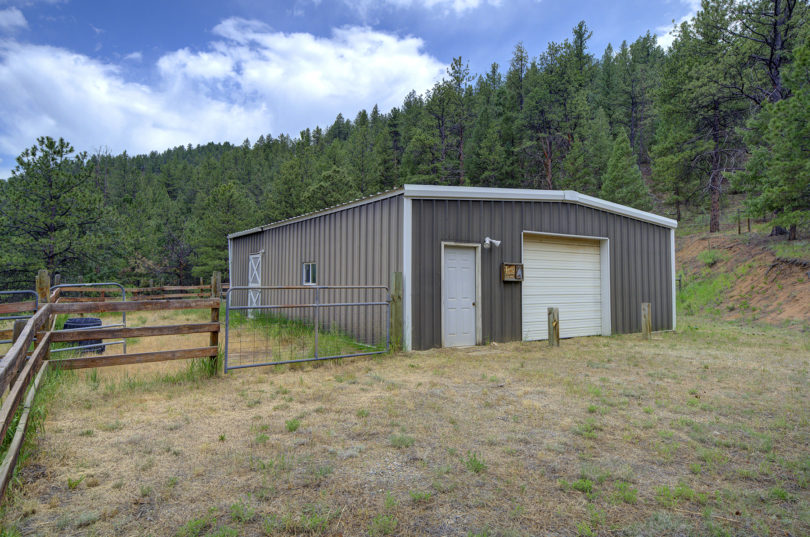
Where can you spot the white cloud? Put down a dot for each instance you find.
(666, 33)
(134, 56)
(251, 81)
(447, 7)
(11, 19)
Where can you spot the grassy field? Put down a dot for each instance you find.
(703, 432)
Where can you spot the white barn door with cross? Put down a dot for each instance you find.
(254, 280)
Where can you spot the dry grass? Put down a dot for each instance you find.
(704, 431)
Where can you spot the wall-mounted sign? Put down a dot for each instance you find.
(512, 272)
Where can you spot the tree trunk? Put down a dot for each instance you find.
(546, 145)
(714, 213)
(716, 179)
(792, 233)
(461, 155)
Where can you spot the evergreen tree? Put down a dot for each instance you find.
(53, 217)
(333, 188)
(777, 176)
(622, 182)
(586, 162)
(225, 209)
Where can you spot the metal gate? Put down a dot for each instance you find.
(274, 325)
(33, 306)
(92, 287)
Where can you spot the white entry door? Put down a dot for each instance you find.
(254, 280)
(458, 296)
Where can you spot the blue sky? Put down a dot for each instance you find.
(147, 75)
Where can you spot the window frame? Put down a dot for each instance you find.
(313, 274)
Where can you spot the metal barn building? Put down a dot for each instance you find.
(479, 264)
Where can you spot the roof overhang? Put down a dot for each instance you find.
(328, 210)
(479, 193)
(526, 194)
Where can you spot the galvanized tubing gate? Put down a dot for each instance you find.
(31, 306)
(274, 325)
(89, 287)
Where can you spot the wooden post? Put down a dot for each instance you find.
(749, 224)
(739, 223)
(554, 327)
(19, 324)
(646, 320)
(216, 291)
(397, 312)
(43, 287)
(16, 330)
(57, 279)
(44, 292)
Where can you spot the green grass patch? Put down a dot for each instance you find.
(474, 464)
(292, 425)
(791, 249)
(400, 441)
(295, 339)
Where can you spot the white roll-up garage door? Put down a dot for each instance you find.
(566, 274)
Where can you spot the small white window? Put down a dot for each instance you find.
(309, 274)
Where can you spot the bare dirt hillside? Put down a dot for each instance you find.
(740, 277)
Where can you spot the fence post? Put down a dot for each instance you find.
(43, 286)
(554, 327)
(646, 320)
(216, 291)
(317, 317)
(396, 311)
(19, 324)
(44, 292)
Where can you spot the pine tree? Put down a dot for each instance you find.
(586, 161)
(334, 187)
(622, 182)
(53, 217)
(225, 209)
(777, 176)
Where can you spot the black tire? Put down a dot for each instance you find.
(86, 322)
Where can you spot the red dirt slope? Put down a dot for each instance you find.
(765, 288)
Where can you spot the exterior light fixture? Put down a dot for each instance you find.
(488, 243)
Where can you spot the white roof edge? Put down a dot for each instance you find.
(476, 193)
(348, 205)
(526, 194)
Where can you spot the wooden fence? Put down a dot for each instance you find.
(21, 370)
(103, 294)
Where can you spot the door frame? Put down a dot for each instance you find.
(604, 273)
(251, 256)
(477, 246)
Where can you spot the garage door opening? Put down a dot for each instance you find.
(570, 273)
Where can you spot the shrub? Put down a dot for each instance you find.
(474, 464)
(292, 425)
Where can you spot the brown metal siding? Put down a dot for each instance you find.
(640, 264)
(360, 245)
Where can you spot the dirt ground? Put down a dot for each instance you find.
(764, 288)
(700, 432)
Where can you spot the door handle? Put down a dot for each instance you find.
(473, 303)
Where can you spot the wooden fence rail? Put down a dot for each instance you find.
(18, 307)
(21, 372)
(145, 305)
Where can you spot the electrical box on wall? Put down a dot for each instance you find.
(512, 272)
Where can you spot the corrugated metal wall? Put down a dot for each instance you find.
(640, 265)
(358, 245)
